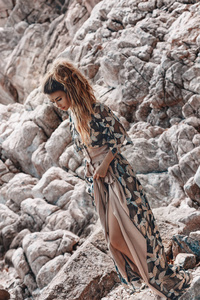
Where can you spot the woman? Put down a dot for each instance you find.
(129, 226)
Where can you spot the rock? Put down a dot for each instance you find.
(192, 190)
(7, 7)
(8, 257)
(97, 239)
(193, 292)
(56, 144)
(185, 244)
(8, 233)
(159, 188)
(35, 99)
(187, 166)
(30, 136)
(21, 27)
(185, 260)
(197, 177)
(73, 281)
(20, 263)
(191, 108)
(147, 6)
(60, 188)
(195, 235)
(191, 221)
(145, 130)
(37, 208)
(7, 177)
(3, 168)
(45, 117)
(4, 295)
(41, 160)
(50, 270)
(41, 247)
(29, 281)
(47, 22)
(17, 241)
(7, 216)
(19, 188)
(53, 174)
(70, 160)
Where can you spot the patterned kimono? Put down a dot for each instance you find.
(130, 207)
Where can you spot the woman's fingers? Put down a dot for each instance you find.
(96, 176)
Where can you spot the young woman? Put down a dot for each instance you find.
(129, 226)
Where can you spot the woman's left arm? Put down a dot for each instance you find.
(101, 170)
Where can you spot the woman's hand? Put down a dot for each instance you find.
(100, 171)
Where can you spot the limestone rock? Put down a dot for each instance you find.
(29, 135)
(4, 294)
(86, 260)
(192, 190)
(20, 263)
(41, 247)
(8, 257)
(58, 141)
(50, 270)
(195, 235)
(187, 261)
(70, 160)
(19, 188)
(38, 208)
(53, 174)
(197, 177)
(191, 221)
(46, 118)
(17, 241)
(7, 216)
(193, 292)
(185, 244)
(41, 160)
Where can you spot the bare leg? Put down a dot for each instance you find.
(117, 239)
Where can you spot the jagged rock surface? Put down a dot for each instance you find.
(143, 59)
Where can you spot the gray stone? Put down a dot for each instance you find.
(41, 247)
(185, 260)
(50, 270)
(193, 292)
(185, 244)
(38, 207)
(195, 235)
(197, 177)
(192, 190)
(17, 241)
(19, 188)
(20, 263)
(87, 271)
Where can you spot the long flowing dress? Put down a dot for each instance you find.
(122, 192)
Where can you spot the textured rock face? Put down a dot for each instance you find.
(142, 58)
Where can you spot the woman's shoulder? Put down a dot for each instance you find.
(101, 108)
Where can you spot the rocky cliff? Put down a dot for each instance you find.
(143, 59)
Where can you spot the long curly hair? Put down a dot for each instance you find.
(65, 77)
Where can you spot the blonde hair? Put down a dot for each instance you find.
(65, 77)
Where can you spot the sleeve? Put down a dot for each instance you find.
(114, 131)
(78, 145)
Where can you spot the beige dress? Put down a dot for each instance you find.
(121, 194)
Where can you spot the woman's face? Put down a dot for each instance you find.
(60, 99)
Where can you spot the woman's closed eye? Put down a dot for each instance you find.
(57, 100)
